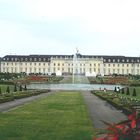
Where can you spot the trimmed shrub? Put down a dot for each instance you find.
(127, 91)
(115, 90)
(122, 90)
(0, 91)
(15, 88)
(8, 89)
(20, 88)
(25, 88)
(134, 92)
(6, 99)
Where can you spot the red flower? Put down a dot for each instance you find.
(132, 118)
(123, 129)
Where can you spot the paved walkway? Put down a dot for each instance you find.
(101, 110)
(8, 105)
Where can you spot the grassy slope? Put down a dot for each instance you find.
(61, 116)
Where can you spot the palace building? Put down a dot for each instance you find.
(90, 65)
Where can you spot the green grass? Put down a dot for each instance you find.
(137, 91)
(77, 79)
(4, 87)
(62, 116)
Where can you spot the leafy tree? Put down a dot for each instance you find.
(134, 92)
(8, 89)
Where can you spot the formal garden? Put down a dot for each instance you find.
(64, 115)
(14, 86)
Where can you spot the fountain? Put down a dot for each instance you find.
(76, 68)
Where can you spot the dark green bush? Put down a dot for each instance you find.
(8, 89)
(6, 99)
(134, 92)
(127, 91)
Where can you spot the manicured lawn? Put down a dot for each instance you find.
(76, 79)
(4, 87)
(61, 116)
(137, 91)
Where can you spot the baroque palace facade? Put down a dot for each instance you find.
(68, 64)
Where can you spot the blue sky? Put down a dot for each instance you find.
(96, 27)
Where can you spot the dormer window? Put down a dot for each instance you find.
(138, 60)
(113, 60)
(127, 60)
(108, 60)
(123, 60)
(118, 60)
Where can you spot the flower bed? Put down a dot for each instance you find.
(19, 95)
(127, 129)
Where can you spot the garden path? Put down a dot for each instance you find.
(101, 110)
(12, 104)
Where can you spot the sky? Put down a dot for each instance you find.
(94, 27)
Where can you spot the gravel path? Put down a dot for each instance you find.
(9, 105)
(101, 110)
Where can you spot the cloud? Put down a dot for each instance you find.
(52, 26)
(101, 15)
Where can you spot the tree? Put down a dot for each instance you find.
(8, 89)
(15, 88)
(127, 91)
(134, 92)
(20, 88)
